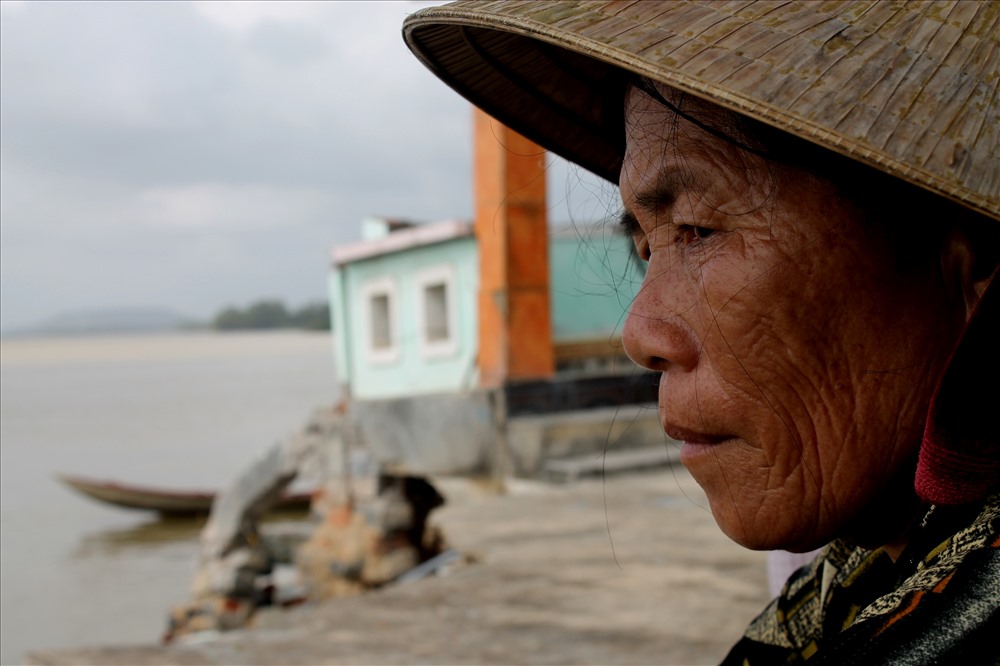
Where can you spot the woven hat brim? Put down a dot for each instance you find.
(910, 89)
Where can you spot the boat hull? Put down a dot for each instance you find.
(163, 501)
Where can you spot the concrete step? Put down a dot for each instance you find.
(607, 462)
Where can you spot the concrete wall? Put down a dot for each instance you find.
(447, 434)
(455, 434)
(533, 440)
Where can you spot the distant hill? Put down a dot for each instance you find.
(264, 314)
(272, 313)
(113, 320)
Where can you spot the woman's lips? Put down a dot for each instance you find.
(692, 436)
(694, 443)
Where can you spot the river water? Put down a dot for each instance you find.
(183, 411)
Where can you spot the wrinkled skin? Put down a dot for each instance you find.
(797, 360)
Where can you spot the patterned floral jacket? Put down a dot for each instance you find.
(938, 604)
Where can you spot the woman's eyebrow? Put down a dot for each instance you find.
(663, 191)
(660, 194)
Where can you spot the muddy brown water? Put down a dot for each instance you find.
(172, 410)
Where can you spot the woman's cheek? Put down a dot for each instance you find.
(737, 336)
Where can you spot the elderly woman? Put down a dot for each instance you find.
(815, 188)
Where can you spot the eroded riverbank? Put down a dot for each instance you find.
(630, 569)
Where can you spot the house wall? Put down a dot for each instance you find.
(411, 369)
(342, 357)
(593, 281)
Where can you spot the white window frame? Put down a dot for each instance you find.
(381, 287)
(436, 275)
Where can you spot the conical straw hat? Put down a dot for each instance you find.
(910, 88)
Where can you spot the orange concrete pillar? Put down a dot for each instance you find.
(515, 327)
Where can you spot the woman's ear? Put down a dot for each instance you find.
(964, 271)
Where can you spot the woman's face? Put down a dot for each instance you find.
(797, 360)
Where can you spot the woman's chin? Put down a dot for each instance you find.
(759, 531)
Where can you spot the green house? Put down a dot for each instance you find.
(403, 304)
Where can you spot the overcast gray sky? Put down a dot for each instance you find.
(189, 156)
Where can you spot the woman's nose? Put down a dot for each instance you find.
(655, 335)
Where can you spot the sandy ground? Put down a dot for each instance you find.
(630, 569)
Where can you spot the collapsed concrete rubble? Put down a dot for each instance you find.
(357, 549)
(367, 530)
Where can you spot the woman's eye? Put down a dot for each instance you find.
(690, 232)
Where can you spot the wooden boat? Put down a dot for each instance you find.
(165, 502)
